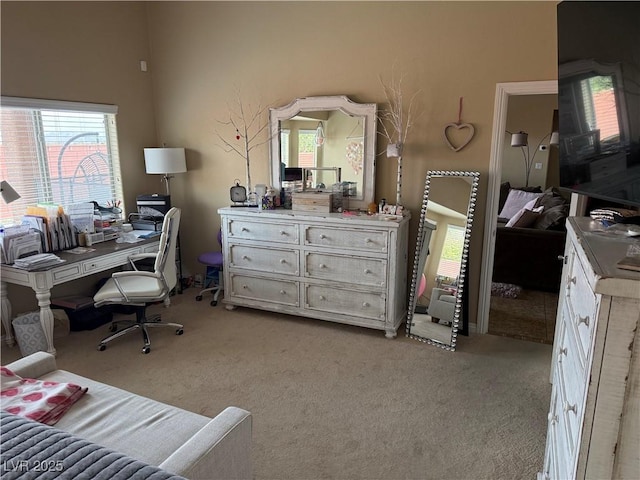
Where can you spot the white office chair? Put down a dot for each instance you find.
(139, 288)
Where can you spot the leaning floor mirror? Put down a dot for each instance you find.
(438, 282)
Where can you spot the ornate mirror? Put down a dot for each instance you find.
(438, 281)
(333, 137)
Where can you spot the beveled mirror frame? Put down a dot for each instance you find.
(421, 256)
(323, 103)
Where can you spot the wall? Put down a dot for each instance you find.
(534, 115)
(83, 51)
(201, 53)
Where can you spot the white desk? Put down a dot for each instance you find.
(106, 256)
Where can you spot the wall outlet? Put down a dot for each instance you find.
(538, 166)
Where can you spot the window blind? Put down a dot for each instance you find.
(449, 265)
(58, 153)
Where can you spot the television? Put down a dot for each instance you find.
(599, 100)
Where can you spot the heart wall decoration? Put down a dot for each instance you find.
(451, 135)
(458, 126)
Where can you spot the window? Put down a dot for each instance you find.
(57, 152)
(449, 265)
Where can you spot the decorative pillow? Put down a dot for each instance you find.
(550, 199)
(516, 201)
(504, 192)
(553, 218)
(526, 215)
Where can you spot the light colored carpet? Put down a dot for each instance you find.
(335, 401)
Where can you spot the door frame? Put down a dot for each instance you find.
(503, 92)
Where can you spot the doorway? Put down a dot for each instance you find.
(504, 91)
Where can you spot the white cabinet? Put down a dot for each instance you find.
(342, 268)
(594, 415)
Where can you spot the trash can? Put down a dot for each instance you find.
(29, 333)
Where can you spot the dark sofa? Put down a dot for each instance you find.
(528, 256)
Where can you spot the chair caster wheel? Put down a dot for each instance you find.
(102, 347)
(199, 298)
(146, 350)
(179, 331)
(214, 303)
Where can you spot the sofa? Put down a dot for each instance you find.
(175, 440)
(442, 305)
(527, 247)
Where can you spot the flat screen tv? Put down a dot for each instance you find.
(599, 99)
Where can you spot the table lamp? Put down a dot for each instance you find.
(8, 193)
(165, 161)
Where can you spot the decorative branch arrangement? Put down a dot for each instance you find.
(399, 120)
(248, 125)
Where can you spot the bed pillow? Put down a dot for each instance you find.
(526, 216)
(516, 201)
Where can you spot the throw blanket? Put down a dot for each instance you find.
(32, 450)
(43, 402)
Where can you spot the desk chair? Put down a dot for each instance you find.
(214, 262)
(140, 288)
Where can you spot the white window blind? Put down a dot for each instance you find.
(58, 153)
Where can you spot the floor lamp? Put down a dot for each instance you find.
(165, 161)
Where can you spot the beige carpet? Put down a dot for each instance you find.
(334, 401)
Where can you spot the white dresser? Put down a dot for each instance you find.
(342, 268)
(594, 418)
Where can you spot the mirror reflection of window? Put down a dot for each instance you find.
(284, 147)
(451, 258)
(307, 148)
(600, 110)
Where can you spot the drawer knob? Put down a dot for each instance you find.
(283, 261)
(322, 265)
(244, 257)
(572, 280)
(245, 286)
(562, 351)
(368, 240)
(244, 229)
(553, 418)
(563, 258)
(365, 304)
(322, 236)
(282, 292)
(322, 297)
(584, 320)
(366, 270)
(282, 232)
(570, 408)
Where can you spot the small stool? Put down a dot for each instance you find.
(213, 276)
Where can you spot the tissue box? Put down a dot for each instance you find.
(312, 202)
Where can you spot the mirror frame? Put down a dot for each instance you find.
(323, 103)
(421, 254)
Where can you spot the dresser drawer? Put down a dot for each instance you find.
(268, 260)
(346, 302)
(345, 239)
(360, 270)
(264, 231)
(557, 432)
(263, 289)
(583, 305)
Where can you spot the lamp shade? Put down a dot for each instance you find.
(8, 193)
(555, 139)
(519, 139)
(165, 160)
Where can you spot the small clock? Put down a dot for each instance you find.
(238, 194)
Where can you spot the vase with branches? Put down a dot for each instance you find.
(396, 121)
(243, 132)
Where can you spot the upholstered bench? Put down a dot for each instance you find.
(175, 440)
(442, 304)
